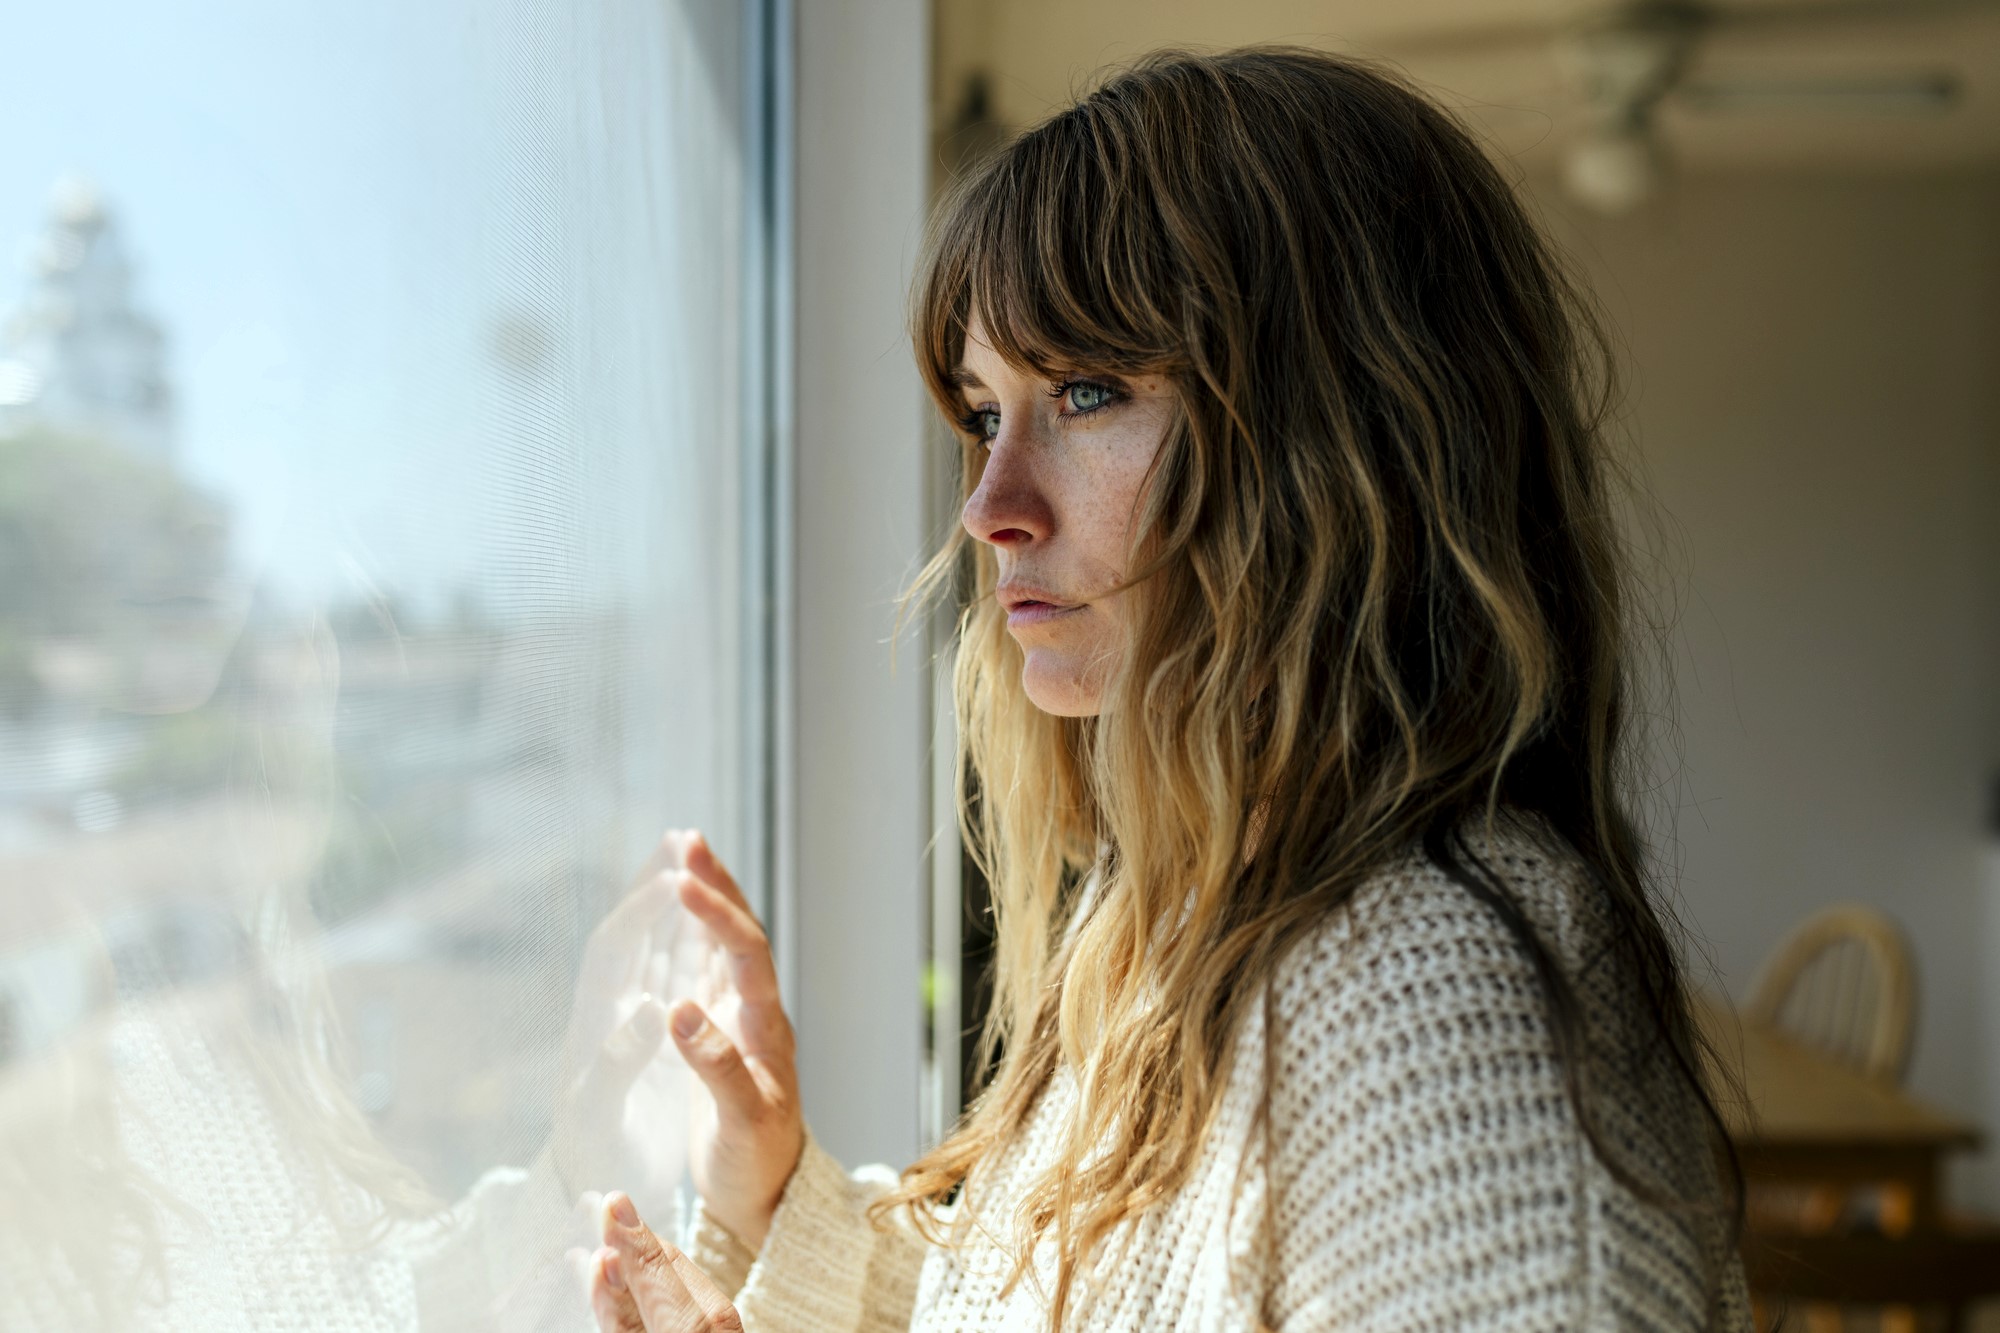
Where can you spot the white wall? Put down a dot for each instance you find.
(1812, 365)
(852, 921)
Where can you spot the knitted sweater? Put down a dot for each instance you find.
(1422, 1169)
(242, 1232)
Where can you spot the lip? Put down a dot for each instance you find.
(1028, 605)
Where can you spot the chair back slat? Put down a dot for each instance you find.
(1843, 984)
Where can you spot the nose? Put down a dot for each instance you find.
(1009, 508)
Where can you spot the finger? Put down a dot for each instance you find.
(643, 904)
(751, 968)
(657, 975)
(701, 859)
(584, 1214)
(722, 1316)
(747, 967)
(625, 1054)
(622, 943)
(627, 1050)
(651, 893)
(669, 853)
(731, 922)
(717, 1063)
(612, 1303)
(656, 1274)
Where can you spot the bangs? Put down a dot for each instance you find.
(1044, 244)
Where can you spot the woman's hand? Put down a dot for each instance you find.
(629, 1120)
(746, 1133)
(621, 1120)
(640, 1284)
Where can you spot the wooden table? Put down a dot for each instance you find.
(1808, 1119)
(1804, 1119)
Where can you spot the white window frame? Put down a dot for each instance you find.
(850, 516)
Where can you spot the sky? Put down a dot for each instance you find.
(338, 212)
(248, 156)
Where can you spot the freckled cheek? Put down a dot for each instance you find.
(1100, 517)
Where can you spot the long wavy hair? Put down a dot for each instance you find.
(1380, 595)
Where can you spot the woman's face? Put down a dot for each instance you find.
(1066, 461)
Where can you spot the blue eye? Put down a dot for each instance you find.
(982, 423)
(1084, 396)
(1087, 397)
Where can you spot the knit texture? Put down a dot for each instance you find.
(245, 1237)
(1423, 1167)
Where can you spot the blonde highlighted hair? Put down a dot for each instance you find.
(1379, 585)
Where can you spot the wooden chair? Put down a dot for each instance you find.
(1842, 983)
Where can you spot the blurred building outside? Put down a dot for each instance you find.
(141, 672)
(78, 355)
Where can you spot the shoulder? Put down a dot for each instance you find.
(1415, 943)
(1426, 1164)
(1423, 1161)
(1412, 1022)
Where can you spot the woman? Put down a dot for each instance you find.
(1331, 993)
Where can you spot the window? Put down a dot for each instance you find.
(382, 568)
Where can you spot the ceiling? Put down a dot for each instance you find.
(1484, 58)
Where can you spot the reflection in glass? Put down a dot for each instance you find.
(369, 574)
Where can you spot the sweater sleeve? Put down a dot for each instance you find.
(1428, 1171)
(497, 1258)
(824, 1267)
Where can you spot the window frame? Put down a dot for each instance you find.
(852, 514)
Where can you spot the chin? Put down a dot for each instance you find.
(1063, 688)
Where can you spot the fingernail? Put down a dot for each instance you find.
(614, 1272)
(622, 1209)
(687, 1022)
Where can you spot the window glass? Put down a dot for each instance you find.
(372, 567)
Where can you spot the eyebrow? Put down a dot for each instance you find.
(963, 378)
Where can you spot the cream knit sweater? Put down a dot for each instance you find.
(1423, 1168)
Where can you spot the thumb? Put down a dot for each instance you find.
(716, 1061)
(625, 1053)
(666, 1288)
(611, 1299)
